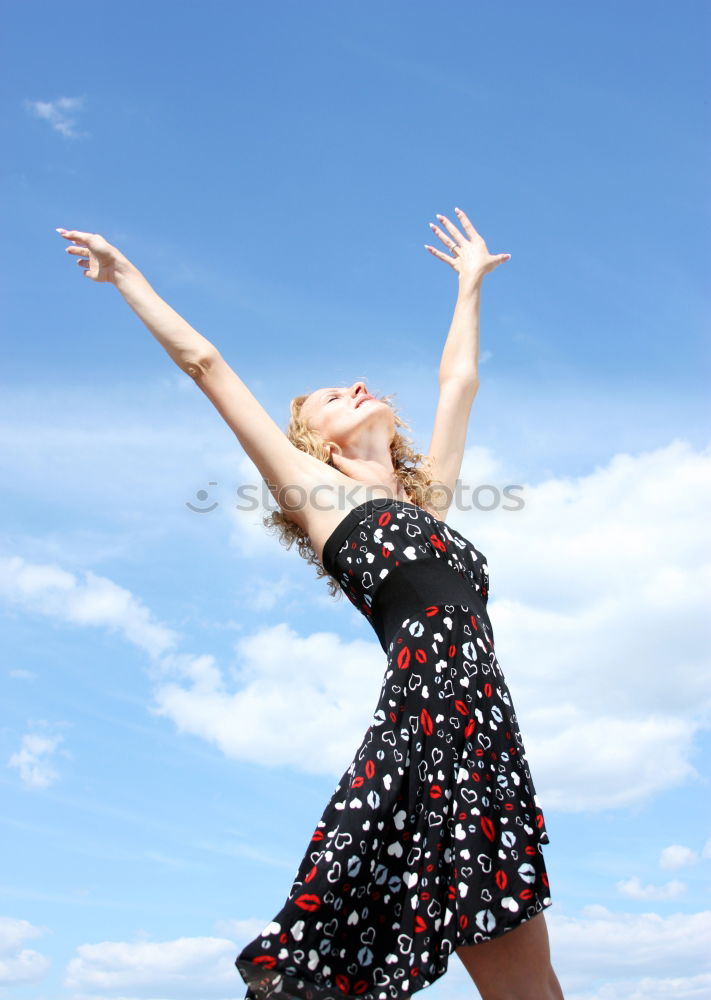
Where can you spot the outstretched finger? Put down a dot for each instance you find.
(451, 228)
(442, 256)
(84, 251)
(73, 234)
(443, 236)
(466, 223)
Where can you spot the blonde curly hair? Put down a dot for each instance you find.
(410, 467)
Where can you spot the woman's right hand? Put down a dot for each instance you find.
(101, 261)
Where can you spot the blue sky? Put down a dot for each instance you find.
(273, 172)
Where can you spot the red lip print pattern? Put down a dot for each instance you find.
(307, 901)
(433, 836)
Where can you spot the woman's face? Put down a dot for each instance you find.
(346, 415)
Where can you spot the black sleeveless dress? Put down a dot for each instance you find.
(432, 837)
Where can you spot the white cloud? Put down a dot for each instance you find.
(597, 599)
(300, 701)
(287, 686)
(677, 856)
(604, 942)
(607, 954)
(263, 595)
(652, 988)
(51, 591)
(633, 888)
(59, 114)
(241, 931)
(20, 965)
(155, 970)
(33, 759)
(574, 752)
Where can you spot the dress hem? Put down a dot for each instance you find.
(330, 990)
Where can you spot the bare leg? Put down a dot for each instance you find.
(515, 966)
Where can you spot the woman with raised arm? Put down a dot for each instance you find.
(431, 843)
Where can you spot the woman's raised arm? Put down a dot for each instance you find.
(280, 463)
(459, 367)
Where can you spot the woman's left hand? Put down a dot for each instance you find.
(470, 256)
